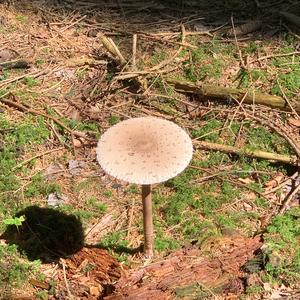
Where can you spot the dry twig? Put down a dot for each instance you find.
(289, 199)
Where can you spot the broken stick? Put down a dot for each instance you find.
(292, 160)
(112, 48)
(224, 93)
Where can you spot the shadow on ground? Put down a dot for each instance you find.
(117, 248)
(46, 234)
(128, 16)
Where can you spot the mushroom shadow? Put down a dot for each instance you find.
(46, 234)
(118, 248)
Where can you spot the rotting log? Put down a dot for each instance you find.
(225, 93)
(291, 18)
(188, 266)
(292, 160)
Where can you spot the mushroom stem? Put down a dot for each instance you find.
(148, 222)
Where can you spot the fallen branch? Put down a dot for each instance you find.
(289, 199)
(14, 64)
(292, 160)
(112, 48)
(291, 18)
(32, 74)
(26, 109)
(129, 75)
(79, 62)
(224, 93)
(35, 156)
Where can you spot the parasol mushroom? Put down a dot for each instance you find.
(145, 150)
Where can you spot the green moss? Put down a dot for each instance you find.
(163, 242)
(94, 204)
(83, 215)
(113, 120)
(209, 131)
(282, 246)
(117, 244)
(262, 139)
(158, 57)
(14, 270)
(248, 78)
(22, 18)
(40, 187)
(31, 81)
(23, 136)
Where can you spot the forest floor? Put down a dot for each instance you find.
(228, 227)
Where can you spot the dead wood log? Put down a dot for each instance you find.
(15, 64)
(291, 18)
(224, 93)
(244, 28)
(189, 266)
(292, 160)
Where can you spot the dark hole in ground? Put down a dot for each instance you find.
(46, 234)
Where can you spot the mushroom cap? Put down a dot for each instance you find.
(144, 150)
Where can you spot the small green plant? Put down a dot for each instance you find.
(251, 48)
(204, 62)
(261, 138)
(31, 81)
(39, 62)
(94, 204)
(133, 189)
(4, 74)
(17, 221)
(46, 50)
(254, 289)
(117, 244)
(113, 120)
(43, 295)
(158, 57)
(83, 215)
(22, 18)
(90, 127)
(163, 242)
(108, 194)
(209, 131)
(81, 74)
(39, 186)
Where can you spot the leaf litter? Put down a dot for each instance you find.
(64, 84)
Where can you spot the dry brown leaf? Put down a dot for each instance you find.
(246, 180)
(95, 291)
(275, 181)
(39, 284)
(294, 122)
